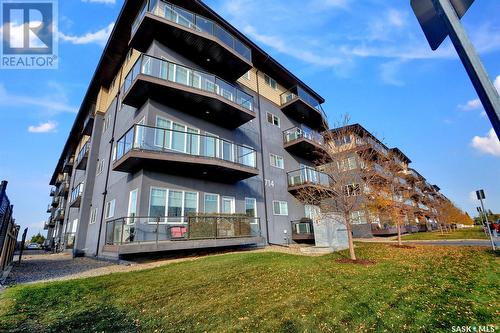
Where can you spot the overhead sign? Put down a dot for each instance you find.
(480, 195)
(431, 22)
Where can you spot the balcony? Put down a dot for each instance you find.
(301, 106)
(59, 215)
(302, 230)
(306, 143)
(59, 179)
(52, 192)
(63, 189)
(310, 184)
(197, 38)
(55, 201)
(153, 234)
(192, 91)
(88, 124)
(76, 196)
(49, 208)
(379, 171)
(83, 156)
(68, 164)
(184, 153)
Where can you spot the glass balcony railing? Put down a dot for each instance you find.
(83, 151)
(297, 133)
(194, 22)
(130, 230)
(156, 139)
(299, 93)
(182, 75)
(77, 192)
(307, 176)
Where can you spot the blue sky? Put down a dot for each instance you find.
(368, 58)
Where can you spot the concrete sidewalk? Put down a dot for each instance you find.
(445, 242)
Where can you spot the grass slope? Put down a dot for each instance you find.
(423, 289)
(474, 233)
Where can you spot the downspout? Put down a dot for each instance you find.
(105, 193)
(262, 159)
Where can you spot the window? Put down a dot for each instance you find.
(132, 203)
(344, 140)
(211, 203)
(110, 209)
(100, 167)
(270, 82)
(228, 205)
(93, 216)
(280, 208)
(157, 202)
(247, 75)
(358, 217)
(273, 119)
(251, 207)
(190, 203)
(74, 226)
(303, 228)
(162, 138)
(352, 190)
(347, 164)
(277, 161)
(107, 121)
(174, 204)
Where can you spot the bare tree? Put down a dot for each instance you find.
(346, 177)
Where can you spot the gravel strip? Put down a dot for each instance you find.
(45, 267)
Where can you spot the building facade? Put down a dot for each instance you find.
(420, 199)
(186, 125)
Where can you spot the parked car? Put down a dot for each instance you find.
(34, 246)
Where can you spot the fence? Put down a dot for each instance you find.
(8, 229)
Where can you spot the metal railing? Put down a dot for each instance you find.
(77, 192)
(297, 133)
(186, 76)
(307, 176)
(299, 93)
(130, 230)
(83, 151)
(194, 22)
(155, 139)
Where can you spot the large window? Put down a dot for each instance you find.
(132, 203)
(211, 203)
(110, 209)
(358, 217)
(177, 137)
(312, 212)
(228, 205)
(277, 161)
(162, 138)
(174, 204)
(251, 207)
(270, 82)
(280, 208)
(343, 140)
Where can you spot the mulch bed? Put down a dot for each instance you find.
(361, 262)
(403, 246)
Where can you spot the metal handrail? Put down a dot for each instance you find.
(81, 154)
(298, 92)
(298, 132)
(138, 138)
(132, 230)
(192, 21)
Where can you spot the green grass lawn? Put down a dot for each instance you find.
(424, 289)
(474, 233)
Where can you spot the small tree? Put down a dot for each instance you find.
(344, 157)
(38, 239)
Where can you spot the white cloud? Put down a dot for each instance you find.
(497, 83)
(488, 144)
(474, 104)
(107, 2)
(396, 17)
(47, 127)
(53, 102)
(389, 73)
(99, 37)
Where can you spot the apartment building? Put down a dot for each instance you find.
(389, 165)
(189, 136)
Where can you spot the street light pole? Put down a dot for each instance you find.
(486, 91)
